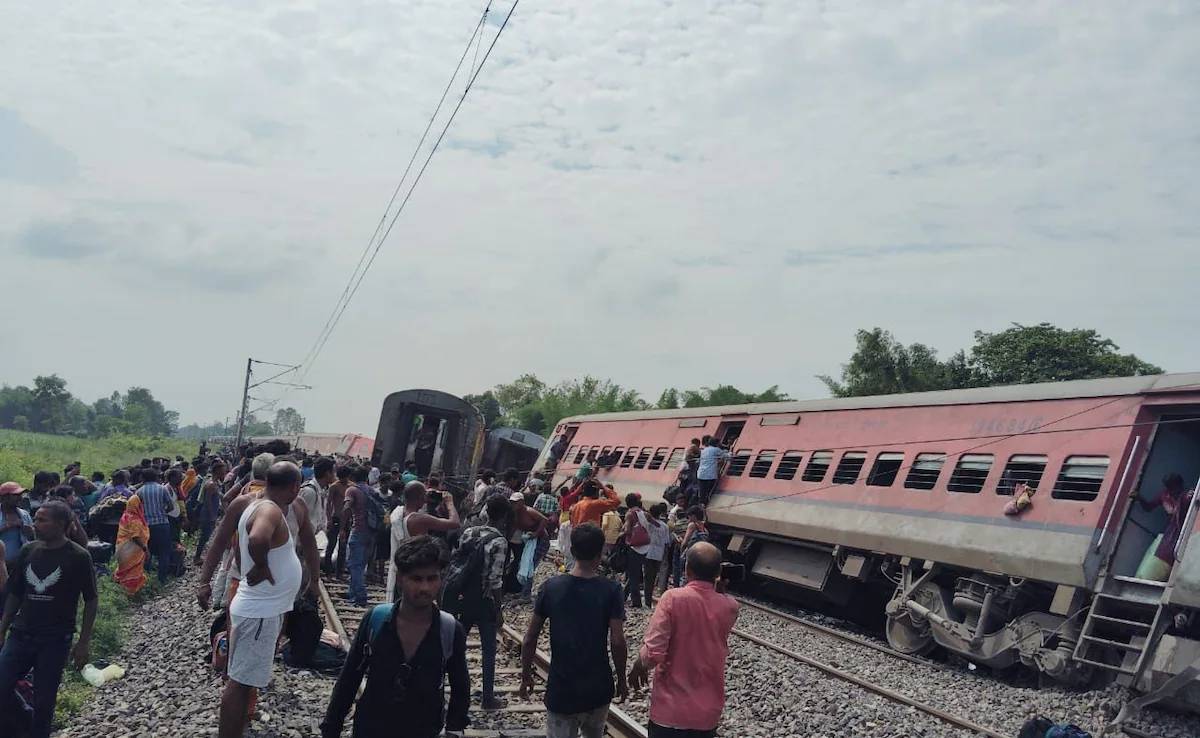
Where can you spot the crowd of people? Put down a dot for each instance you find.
(448, 556)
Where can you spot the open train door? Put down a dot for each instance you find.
(459, 435)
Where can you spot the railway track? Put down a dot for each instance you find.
(847, 637)
(516, 719)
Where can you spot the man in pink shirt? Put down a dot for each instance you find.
(686, 645)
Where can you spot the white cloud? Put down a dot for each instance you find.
(665, 193)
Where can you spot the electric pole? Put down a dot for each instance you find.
(247, 386)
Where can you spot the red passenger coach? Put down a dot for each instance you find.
(909, 493)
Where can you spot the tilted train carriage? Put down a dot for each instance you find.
(908, 492)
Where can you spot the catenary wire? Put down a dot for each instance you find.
(476, 37)
(420, 173)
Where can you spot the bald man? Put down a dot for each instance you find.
(686, 645)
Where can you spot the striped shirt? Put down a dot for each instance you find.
(546, 504)
(157, 501)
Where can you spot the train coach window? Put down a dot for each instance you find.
(580, 454)
(738, 464)
(788, 465)
(659, 458)
(924, 472)
(762, 464)
(884, 470)
(676, 458)
(1080, 478)
(970, 473)
(818, 464)
(629, 456)
(642, 458)
(849, 467)
(1020, 468)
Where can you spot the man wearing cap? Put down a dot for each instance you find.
(16, 525)
(525, 521)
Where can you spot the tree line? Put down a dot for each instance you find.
(879, 365)
(49, 407)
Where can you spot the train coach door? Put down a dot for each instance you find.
(728, 432)
(1175, 449)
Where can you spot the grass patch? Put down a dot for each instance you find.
(22, 454)
(112, 621)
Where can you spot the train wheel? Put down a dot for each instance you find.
(907, 638)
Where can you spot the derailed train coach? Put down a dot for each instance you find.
(922, 496)
(441, 433)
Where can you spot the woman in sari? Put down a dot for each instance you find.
(133, 536)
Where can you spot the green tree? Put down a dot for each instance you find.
(525, 390)
(50, 400)
(726, 394)
(881, 365)
(20, 422)
(488, 406)
(289, 421)
(1044, 353)
(15, 402)
(256, 427)
(668, 400)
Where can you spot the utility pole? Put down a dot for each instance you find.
(247, 386)
(245, 401)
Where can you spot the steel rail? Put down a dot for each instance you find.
(873, 687)
(842, 635)
(620, 723)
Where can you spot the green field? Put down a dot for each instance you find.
(22, 454)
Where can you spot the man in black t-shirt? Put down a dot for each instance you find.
(586, 612)
(47, 579)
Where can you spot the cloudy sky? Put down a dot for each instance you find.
(664, 193)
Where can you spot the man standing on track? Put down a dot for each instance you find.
(587, 617)
(334, 501)
(474, 587)
(407, 652)
(208, 506)
(686, 644)
(410, 521)
(354, 532)
(271, 579)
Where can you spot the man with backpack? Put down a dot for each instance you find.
(362, 520)
(474, 586)
(407, 651)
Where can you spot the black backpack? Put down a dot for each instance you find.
(376, 510)
(462, 587)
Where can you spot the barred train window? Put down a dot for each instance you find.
(676, 458)
(849, 467)
(970, 473)
(818, 464)
(762, 464)
(1080, 478)
(739, 462)
(629, 456)
(788, 465)
(643, 457)
(924, 472)
(887, 466)
(578, 456)
(660, 457)
(1027, 468)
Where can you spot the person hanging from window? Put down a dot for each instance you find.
(1175, 500)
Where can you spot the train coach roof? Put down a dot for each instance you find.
(1110, 387)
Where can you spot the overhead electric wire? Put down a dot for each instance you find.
(357, 277)
(476, 37)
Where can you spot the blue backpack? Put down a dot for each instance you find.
(381, 615)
